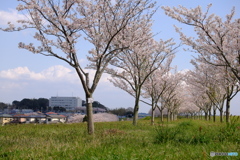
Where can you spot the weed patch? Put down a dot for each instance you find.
(192, 133)
(231, 131)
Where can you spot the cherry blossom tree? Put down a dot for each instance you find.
(215, 89)
(202, 101)
(172, 98)
(231, 87)
(217, 42)
(188, 107)
(60, 25)
(218, 84)
(134, 66)
(156, 85)
(217, 95)
(204, 77)
(197, 85)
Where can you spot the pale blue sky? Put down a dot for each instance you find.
(25, 75)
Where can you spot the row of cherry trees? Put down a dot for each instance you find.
(164, 90)
(216, 77)
(210, 87)
(214, 81)
(206, 89)
(123, 45)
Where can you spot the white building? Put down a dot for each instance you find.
(70, 103)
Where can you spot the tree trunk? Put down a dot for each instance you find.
(153, 116)
(90, 122)
(171, 116)
(136, 107)
(206, 115)
(214, 115)
(209, 115)
(228, 110)
(221, 115)
(168, 115)
(201, 115)
(175, 116)
(161, 114)
(221, 110)
(135, 114)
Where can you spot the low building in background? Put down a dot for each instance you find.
(54, 118)
(34, 117)
(5, 118)
(69, 103)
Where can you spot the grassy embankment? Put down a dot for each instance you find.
(181, 139)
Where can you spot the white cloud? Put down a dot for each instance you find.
(57, 73)
(10, 16)
(52, 74)
(20, 73)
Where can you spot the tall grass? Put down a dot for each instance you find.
(182, 139)
(190, 132)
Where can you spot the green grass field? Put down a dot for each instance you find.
(181, 139)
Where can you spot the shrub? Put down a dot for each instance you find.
(165, 133)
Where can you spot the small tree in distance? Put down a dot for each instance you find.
(109, 26)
